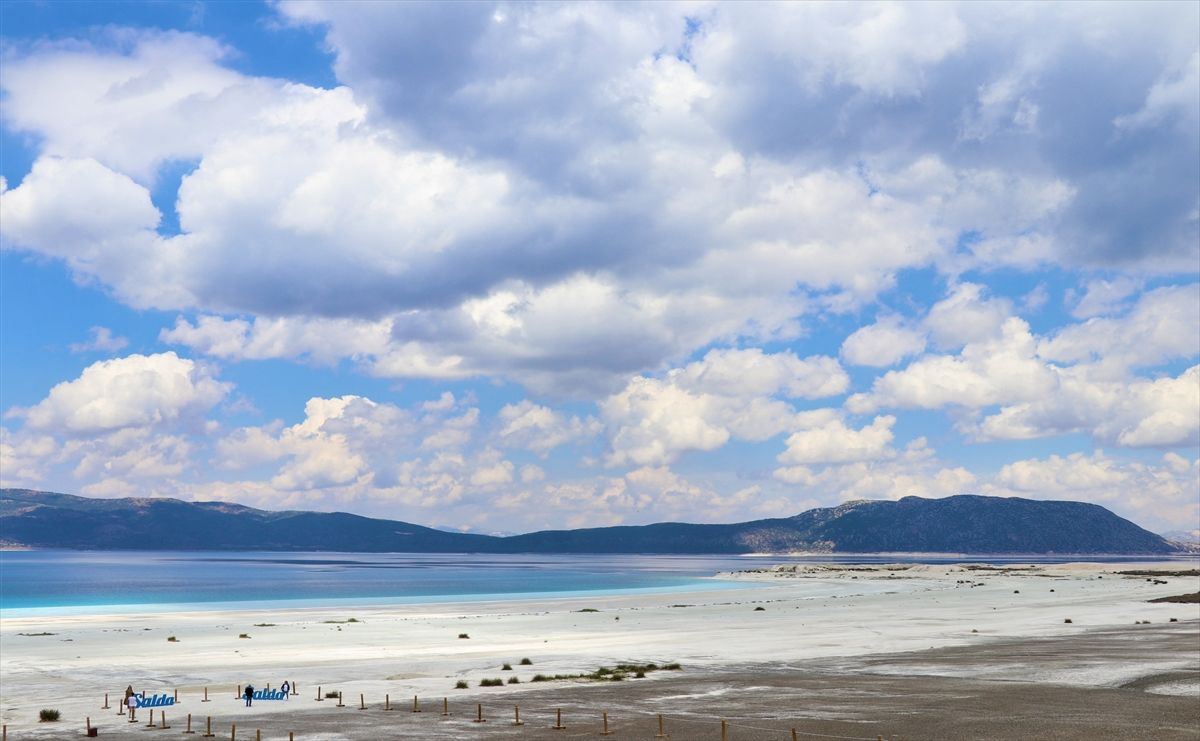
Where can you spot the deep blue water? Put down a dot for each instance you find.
(156, 579)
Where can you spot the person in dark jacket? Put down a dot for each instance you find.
(249, 694)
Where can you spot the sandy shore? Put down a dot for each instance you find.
(920, 651)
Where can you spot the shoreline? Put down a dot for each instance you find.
(831, 617)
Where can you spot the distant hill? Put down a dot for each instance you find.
(958, 524)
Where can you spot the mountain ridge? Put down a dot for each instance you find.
(963, 523)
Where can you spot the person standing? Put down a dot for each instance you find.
(249, 694)
(286, 689)
(131, 702)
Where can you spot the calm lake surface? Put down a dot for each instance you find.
(69, 581)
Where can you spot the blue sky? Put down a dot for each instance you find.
(504, 267)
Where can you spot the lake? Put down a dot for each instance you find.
(71, 581)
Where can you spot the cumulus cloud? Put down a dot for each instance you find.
(136, 391)
(1161, 494)
(540, 428)
(825, 438)
(727, 394)
(886, 342)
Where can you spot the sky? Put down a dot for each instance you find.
(503, 267)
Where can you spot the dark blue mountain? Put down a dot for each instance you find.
(958, 524)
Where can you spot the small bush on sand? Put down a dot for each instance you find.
(47, 715)
(506, 668)
(463, 635)
(243, 635)
(461, 684)
(672, 667)
(760, 608)
(513, 680)
(526, 662)
(1068, 620)
(497, 682)
(540, 678)
(172, 639)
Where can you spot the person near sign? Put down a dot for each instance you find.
(131, 701)
(286, 689)
(249, 694)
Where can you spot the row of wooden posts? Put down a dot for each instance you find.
(362, 705)
(558, 722)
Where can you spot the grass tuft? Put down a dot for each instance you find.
(497, 682)
(526, 662)
(46, 715)
(461, 684)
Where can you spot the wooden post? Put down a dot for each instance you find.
(724, 737)
(208, 728)
(517, 716)
(176, 695)
(257, 734)
(121, 710)
(319, 698)
(387, 702)
(606, 732)
(558, 726)
(793, 734)
(479, 714)
(291, 736)
(340, 703)
(416, 707)
(205, 694)
(239, 694)
(105, 702)
(150, 723)
(87, 724)
(362, 704)
(233, 732)
(445, 707)
(189, 725)
(162, 719)
(661, 733)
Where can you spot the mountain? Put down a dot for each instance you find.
(957, 524)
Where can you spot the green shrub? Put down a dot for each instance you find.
(463, 635)
(331, 695)
(491, 682)
(243, 635)
(47, 715)
(526, 662)
(461, 684)
(172, 639)
(506, 668)
(540, 678)
(513, 680)
(672, 667)
(588, 609)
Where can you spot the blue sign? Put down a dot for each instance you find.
(154, 701)
(270, 695)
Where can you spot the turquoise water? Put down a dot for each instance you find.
(68, 581)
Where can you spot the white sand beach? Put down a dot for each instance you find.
(809, 615)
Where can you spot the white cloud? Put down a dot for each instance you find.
(727, 394)
(886, 342)
(102, 340)
(966, 316)
(540, 428)
(160, 390)
(1163, 325)
(1157, 495)
(995, 371)
(825, 438)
